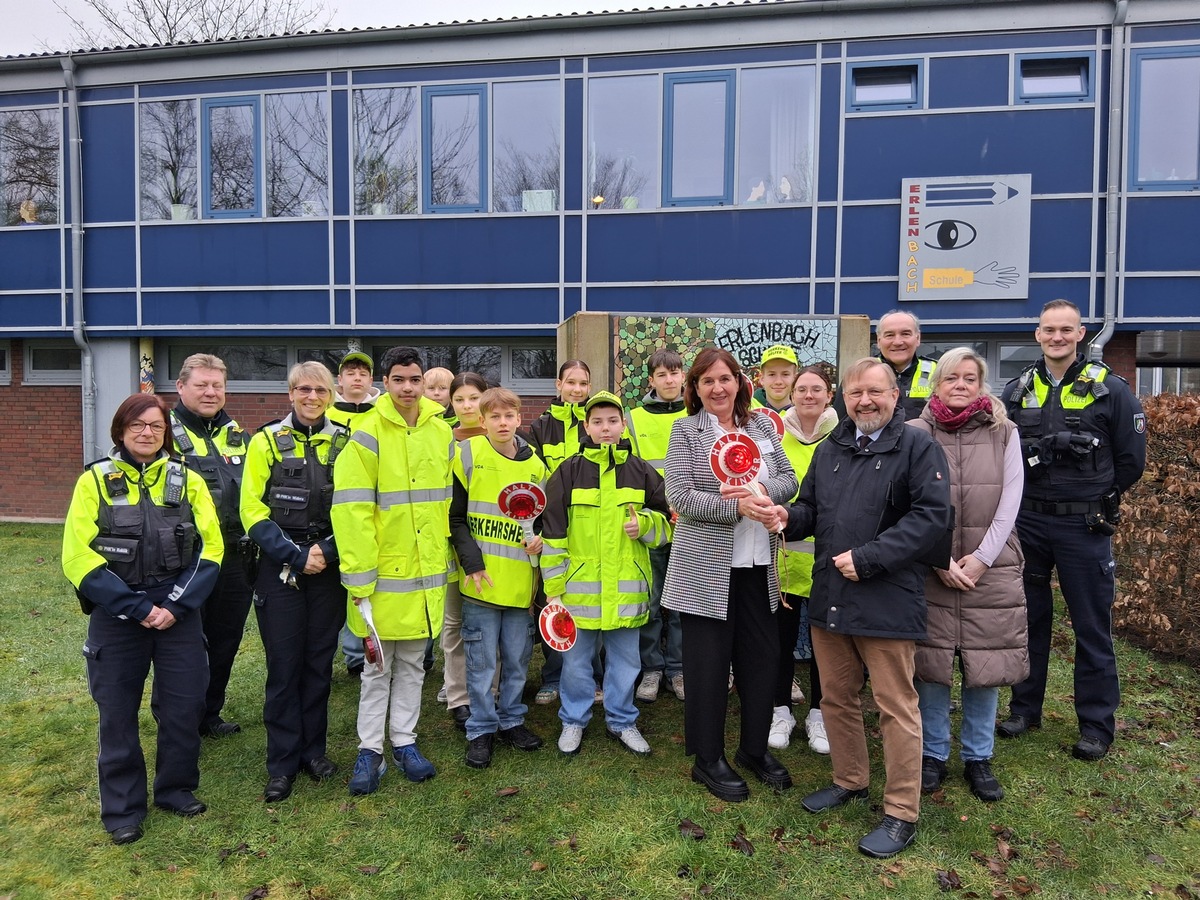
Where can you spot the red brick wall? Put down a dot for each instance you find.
(1120, 355)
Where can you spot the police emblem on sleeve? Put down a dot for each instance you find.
(1139, 423)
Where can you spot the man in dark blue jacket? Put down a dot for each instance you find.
(877, 499)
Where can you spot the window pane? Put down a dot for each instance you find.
(331, 359)
(386, 147)
(526, 142)
(454, 149)
(1168, 119)
(623, 131)
(29, 165)
(698, 117)
(297, 155)
(1053, 77)
(776, 135)
(168, 159)
(533, 363)
(245, 362)
(55, 359)
(883, 86)
(231, 148)
(481, 359)
(1014, 358)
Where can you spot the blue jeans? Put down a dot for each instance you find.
(494, 635)
(978, 732)
(352, 648)
(650, 634)
(621, 669)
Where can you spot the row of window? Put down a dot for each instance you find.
(713, 138)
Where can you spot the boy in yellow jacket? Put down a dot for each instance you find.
(390, 499)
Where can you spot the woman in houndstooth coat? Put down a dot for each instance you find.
(722, 578)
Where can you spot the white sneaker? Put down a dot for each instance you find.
(570, 739)
(441, 697)
(677, 686)
(647, 691)
(782, 724)
(814, 727)
(631, 739)
(797, 692)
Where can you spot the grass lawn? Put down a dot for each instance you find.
(604, 824)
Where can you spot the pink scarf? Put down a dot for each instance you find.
(951, 420)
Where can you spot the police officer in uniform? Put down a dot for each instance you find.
(298, 596)
(1083, 436)
(898, 336)
(213, 445)
(142, 546)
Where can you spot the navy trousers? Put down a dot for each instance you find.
(119, 653)
(224, 617)
(299, 628)
(1086, 576)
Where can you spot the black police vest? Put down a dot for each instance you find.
(1066, 447)
(300, 489)
(222, 474)
(144, 543)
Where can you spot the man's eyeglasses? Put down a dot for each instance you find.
(139, 426)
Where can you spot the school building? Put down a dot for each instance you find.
(469, 187)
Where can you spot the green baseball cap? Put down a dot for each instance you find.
(357, 356)
(605, 397)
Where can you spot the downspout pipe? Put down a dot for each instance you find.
(1116, 170)
(78, 325)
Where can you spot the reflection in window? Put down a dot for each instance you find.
(776, 135)
(245, 362)
(231, 141)
(386, 142)
(623, 135)
(1168, 119)
(168, 159)
(526, 137)
(1014, 359)
(699, 131)
(55, 359)
(483, 359)
(297, 158)
(454, 153)
(533, 363)
(29, 165)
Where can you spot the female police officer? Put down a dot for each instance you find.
(142, 545)
(299, 600)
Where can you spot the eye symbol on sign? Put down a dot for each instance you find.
(951, 234)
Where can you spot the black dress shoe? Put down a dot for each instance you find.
(933, 773)
(1089, 749)
(460, 714)
(519, 737)
(278, 788)
(1015, 725)
(192, 808)
(321, 768)
(766, 768)
(720, 779)
(889, 838)
(831, 797)
(126, 834)
(220, 729)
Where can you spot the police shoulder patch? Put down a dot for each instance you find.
(1139, 423)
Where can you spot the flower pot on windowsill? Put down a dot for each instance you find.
(181, 212)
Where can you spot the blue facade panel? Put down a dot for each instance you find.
(30, 98)
(466, 250)
(31, 259)
(972, 43)
(828, 121)
(31, 311)
(699, 246)
(479, 307)
(1055, 145)
(464, 72)
(712, 300)
(339, 117)
(573, 249)
(572, 302)
(342, 308)
(1160, 234)
(871, 241)
(573, 144)
(827, 223)
(965, 81)
(244, 85)
(876, 298)
(235, 253)
(705, 58)
(1144, 34)
(1157, 298)
(92, 95)
(279, 308)
(110, 258)
(109, 183)
(1060, 235)
(341, 252)
(823, 300)
(110, 310)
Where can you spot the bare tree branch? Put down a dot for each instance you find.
(176, 21)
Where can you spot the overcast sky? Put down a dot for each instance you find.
(35, 26)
